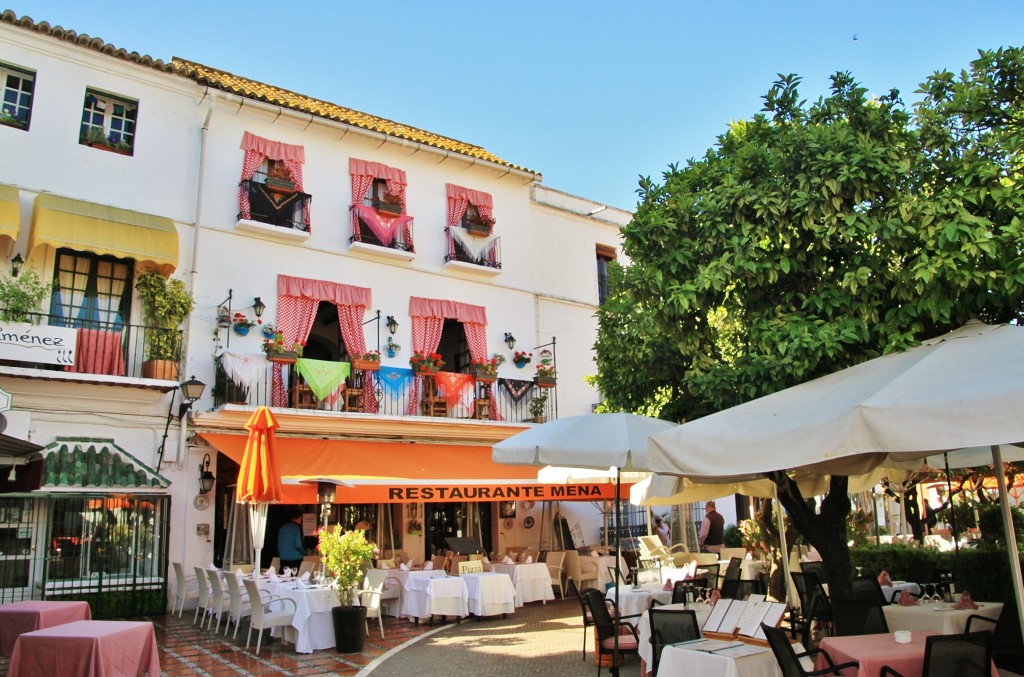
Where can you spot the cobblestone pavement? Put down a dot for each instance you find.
(536, 640)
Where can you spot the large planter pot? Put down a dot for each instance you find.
(484, 375)
(165, 370)
(544, 381)
(284, 357)
(349, 628)
(478, 229)
(366, 365)
(389, 208)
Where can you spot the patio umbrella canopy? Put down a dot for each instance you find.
(259, 480)
(597, 441)
(961, 390)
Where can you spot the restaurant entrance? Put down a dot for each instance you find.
(449, 520)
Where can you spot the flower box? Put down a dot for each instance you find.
(282, 357)
(389, 208)
(544, 381)
(280, 185)
(428, 370)
(365, 365)
(485, 375)
(478, 229)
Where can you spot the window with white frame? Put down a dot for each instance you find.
(18, 87)
(108, 121)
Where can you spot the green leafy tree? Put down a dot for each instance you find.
(814, 237)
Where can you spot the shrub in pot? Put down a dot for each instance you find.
(165, 305)
(346, 555)
(21, 296)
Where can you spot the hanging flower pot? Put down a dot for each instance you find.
(241, 330)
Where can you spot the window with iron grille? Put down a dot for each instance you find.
(91, 291)
(605, 257)
(18, 87)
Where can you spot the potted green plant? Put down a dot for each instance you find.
(538, 406)
(165, 305)
(425, 363)
(392, 348)
(367, 361)
(22, 296)
(280, 351)
(346, 555)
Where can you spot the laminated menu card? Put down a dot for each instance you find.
(772, 618)
(717, 615)
(750, 620)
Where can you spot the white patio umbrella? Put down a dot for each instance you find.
(596, 441)
(961, 390)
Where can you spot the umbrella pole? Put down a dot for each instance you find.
(1011, 536)
(618, 568)
(952, 518)
(785, 549)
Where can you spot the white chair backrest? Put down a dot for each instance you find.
(179, 577)
(307, 566)
(204, 586)
(474, 567)
(555, 560)
(728, 553)
(254, 600)
(216, 588)
(275, 564)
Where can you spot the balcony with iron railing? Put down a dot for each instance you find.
(100, 348)
(381, 226)
(275, 205)
(511, 397)
(483, 253)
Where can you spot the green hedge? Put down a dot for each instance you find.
(984, 572)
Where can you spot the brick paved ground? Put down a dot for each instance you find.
(536, 640)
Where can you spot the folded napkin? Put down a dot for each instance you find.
(274, 578)
(271, 571)
(529, 560)
(906, 599)
(428, 566)
(668, 585)
(884, 578)
(507, 560)
(385, 565)
(965, 602)
(715, 596)
(403, 566)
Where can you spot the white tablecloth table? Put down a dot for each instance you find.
(409, 580)
(313, 626)
(749, 569)
(944, 620)
(490, 594)
(677, 661)
(532, 581)
(634, 602)
(644, 627)
(425, 597)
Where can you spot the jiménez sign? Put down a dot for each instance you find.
(37, 343)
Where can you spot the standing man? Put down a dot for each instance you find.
(661, 529)
(712, 530)
(289, 541)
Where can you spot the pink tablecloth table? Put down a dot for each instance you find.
(874, 651)
(87, 649)
(21, 617)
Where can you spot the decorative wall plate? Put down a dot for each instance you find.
(201, 502)
(529, 505)
(528, 522)
(509, 523)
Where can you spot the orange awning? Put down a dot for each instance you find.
(403, 472)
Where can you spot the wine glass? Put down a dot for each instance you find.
(859, 570)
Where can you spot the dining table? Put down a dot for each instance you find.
(440, 596)
(312, 627)
(28, 615)
(940, 617)
(410, 580)
(757, 661)
(87, 649)
(532, 581)
(635, 601)
(490, 594)
(874, 651)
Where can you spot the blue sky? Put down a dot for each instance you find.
(591, 94)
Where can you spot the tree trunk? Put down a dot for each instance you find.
(826, 530)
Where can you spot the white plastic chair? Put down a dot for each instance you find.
(262, 618)
(218, 602)
(556, 562)
(373, 595)
(238, 607)
(307, 566)
(204, 595)
(181, 592)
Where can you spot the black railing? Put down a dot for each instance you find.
(489, 258)
(107, 348)
(512, 397)
(275, 207)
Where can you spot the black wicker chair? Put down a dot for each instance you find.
(669, 626)
(588, 620)
(967, 655)
(855, 617)
(607, 629)
(1007, 645)
(789, 660)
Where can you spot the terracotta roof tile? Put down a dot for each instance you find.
(300, 102)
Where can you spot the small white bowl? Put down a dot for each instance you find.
(902, 636)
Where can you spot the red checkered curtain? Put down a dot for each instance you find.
(350, 320)
(459, 199)
(476, 337)
(295, 316)
(360, 186)
(426, 336)
(257, 149)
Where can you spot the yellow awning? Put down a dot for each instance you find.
(9, 217)
(85, 226)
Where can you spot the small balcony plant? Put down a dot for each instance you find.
(392, 348)
(391, 204)
(242, 324)
(368, 360)
(538, 407)
(165, 305)
(22, 296)
(278, 349)
(485, 369)
(425, 363)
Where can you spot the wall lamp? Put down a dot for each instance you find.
(510, 340)
(392, 324)
(191, 390)
(258, 307)
(206, 478)
(16, 264)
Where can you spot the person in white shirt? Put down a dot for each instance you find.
(661, 529)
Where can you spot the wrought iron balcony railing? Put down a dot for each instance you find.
(111, 349)
(284, 209)
(484, 252)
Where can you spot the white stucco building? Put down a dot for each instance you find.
(340, 223)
